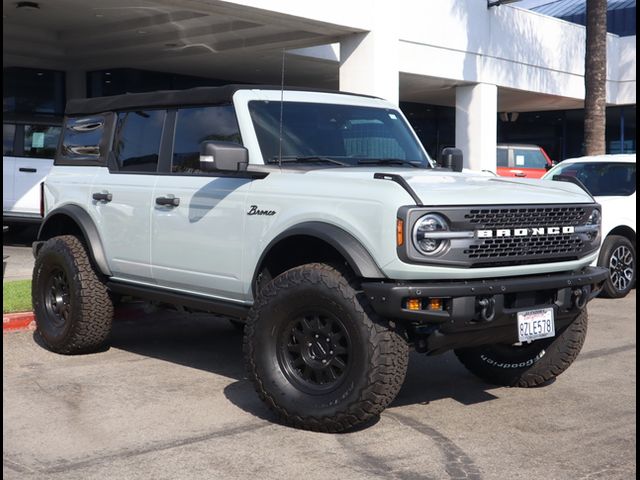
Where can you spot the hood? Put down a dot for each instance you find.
(436, 187)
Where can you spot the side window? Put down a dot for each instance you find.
(136, 143)
(41, 141)
(528, 158)
(503, 157)
(82, 139)
(8, 134)
(196, 125)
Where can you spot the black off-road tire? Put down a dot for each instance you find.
(371, 356)
(618, 255)
(528, 365)
(72, 306)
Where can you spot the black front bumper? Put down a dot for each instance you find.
(465, 319)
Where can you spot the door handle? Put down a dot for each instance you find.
(520, 174)
(168, 201)
(28, 170)
(103, 197)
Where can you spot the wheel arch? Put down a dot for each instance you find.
(74, 220)
(315, 242)
(624, 231)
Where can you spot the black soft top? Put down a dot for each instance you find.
(172, 98)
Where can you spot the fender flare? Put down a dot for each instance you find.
(88, 228)
(358, 258)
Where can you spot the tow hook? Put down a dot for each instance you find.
(580, 297)
(487, 309)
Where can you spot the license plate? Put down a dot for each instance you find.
(536, 324)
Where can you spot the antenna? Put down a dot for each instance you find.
(281, 111)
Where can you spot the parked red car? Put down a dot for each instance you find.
(530, 161)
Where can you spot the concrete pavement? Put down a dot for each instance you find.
(169, 400)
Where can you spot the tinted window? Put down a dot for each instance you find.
(602, 179)
(82, 137)
(503, 157)
(196, 125)
(348, 133)
(527, 158)
(136, 144)
(8, 133)
(41, 141)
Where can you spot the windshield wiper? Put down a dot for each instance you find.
(386, 161)
(307, 158)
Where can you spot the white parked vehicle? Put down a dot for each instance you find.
(321, 222)
(611, 179)
(28, 148)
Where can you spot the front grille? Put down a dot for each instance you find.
(511, 235)
(526, 217)
(509, 248)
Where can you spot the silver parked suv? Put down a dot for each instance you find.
(321, 223)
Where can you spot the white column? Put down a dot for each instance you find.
(369, 64)
(76, 84)
(476, 125)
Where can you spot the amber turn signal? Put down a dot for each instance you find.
(400, 232)
(414, 304)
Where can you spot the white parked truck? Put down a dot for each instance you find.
(318, 220)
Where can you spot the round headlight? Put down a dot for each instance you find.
(595, 218)
(424, 241)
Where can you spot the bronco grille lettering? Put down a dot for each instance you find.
(525, 232)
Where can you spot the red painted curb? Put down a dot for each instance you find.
(18, 321)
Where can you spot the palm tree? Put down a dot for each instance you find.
(595, 78)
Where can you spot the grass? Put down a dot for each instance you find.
(16, 296)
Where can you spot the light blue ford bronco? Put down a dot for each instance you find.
(318, 222)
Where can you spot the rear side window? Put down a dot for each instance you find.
(8, 134)
(41, 141)
(83, 140)
(197, 125)
(503, 157)
(528, 158)
(136, 143)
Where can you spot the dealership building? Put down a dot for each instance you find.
(470, 73)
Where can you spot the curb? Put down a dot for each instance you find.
(18, 321)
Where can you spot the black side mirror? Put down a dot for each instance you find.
(548, 167)
(227, 156)
(452, 159)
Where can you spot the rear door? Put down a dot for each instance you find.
(39, 144)
(8, 165)
(122, 193)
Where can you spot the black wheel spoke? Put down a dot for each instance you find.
(315, 350)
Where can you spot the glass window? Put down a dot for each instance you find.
(528, 158)
(602, 179)
(136, 144)
(347, 133)
(503, 157)
(33, 90)
(196, 125)
(82, 137)
(41, 141)
(8, 134)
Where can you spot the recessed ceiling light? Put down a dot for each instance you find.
(40, 74)
(107, 73)
(142, 32)
(99, 15)
(28, 5)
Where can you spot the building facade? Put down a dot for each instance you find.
(464, 73)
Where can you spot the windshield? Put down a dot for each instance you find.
(333, 134)
(601, 179)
